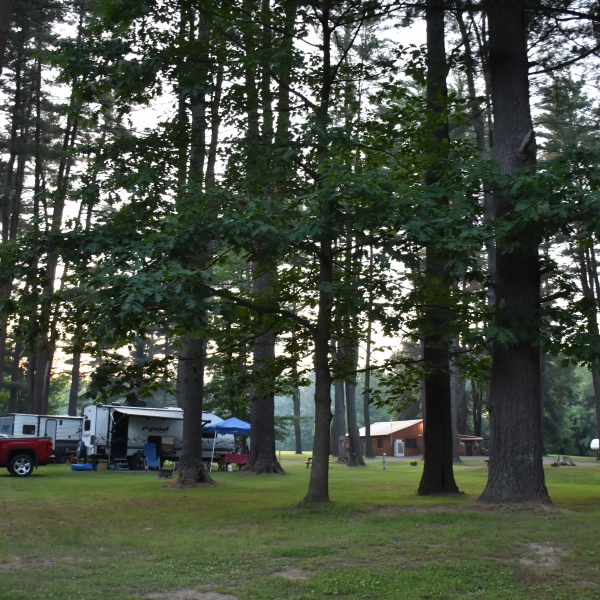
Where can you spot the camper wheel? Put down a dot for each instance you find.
(21, 465)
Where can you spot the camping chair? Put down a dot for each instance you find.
(152, 461)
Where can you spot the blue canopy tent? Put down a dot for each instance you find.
(230, 426)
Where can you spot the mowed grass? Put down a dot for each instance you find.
(126, 535)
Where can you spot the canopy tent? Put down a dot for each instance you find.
(233, 425)
(230, 426)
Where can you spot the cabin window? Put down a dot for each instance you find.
(410, 442)
(380, 442)
(87, 425)
(28, 429)
(60, 422)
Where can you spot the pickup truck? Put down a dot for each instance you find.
(21, 455)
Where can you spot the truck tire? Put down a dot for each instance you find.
(21, 465)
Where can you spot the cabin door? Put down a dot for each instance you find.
(398, 447)
(51, 431)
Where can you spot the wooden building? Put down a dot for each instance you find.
(396, 438)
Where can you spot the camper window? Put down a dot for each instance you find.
(29, 429)
(87, 425)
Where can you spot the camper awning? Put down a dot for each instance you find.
(233, 425)
(154, 413)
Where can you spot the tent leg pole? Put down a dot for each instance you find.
(212, 458)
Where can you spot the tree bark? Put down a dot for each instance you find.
(516, 472)
(355, 453)
(369, 453)
(338, 427)
(30, 376)
(455, 384)
(15, 376)
(476, 401)
(167, 350)
(75, 380)
(318, 487)
(75, 371)
(16, 123)
(45, 348)
(263, 458)
(193, 354)
(588, 276)
(297, 429)
(6, 7)
(438, 476)
(191, 466)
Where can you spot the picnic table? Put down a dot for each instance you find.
(232, 459)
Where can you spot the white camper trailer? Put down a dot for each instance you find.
(595, 445)
(64, 430)
(120, 432)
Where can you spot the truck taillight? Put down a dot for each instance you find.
(49, 444)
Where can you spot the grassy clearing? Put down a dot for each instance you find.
(122, 536)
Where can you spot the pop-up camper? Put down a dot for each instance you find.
(120, 432)
(64, 430)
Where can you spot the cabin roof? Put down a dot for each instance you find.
(389, 427)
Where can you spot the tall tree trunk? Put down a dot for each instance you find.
(369, 453)
(476, 115)
(297, 429)
(30, 376)
(543, 386)
(462, 407)
(193, 355)
(318, 487)
(167, 350)
(296, 409)
(15, 376)
(6, 7)
(179, 394)
(45, 349)
(191, 466)
(454, 388)
(516, 472)
(438, 476)
(355, 454)
(262, 457)
(476, 401)
(75, 380)
(588, 275)
(338, 425)
(16, 124)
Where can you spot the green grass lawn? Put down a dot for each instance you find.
(128, 535)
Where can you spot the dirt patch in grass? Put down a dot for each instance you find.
(472, 506)
(14, 563)
(294, 574)
(252, 473)
(189, 594)
(547, 557)
(230, 529)
(174, 485)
